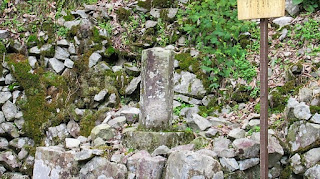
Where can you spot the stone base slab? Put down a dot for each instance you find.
(145, 140)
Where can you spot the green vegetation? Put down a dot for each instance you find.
(281, 94)
(205, 111)
(37, 112)
(178, 109)
(188, 63)
(2, 48)
(308, 5)
(123, 14)
(107, 26)
(62, 32)
(214, 29)
(163, 39)
(145, 4)
(200, 142)
(3, 5)
(277, 123)
(254, 129)
(315, 109)
(309, 31)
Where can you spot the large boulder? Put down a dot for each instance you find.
(221, 147)
(104, 131)
(142, 165)
(313, 172)
(197, 122)
(247, 148)
(4, 96)
(292, 8)
(10, 160)
(54, 163)
(188, 84)
(144, 140)
(302, 136)
(311, 157)
(188, 164)
(100, 167)
(9, 110)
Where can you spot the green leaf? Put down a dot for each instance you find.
(296, 2)
(207, 69)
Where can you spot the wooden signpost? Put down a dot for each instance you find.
(262, 9)
(258, 9)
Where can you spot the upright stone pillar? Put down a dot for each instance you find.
(156, 95)
(156, 103)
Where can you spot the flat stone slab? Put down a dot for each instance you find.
(144, 140)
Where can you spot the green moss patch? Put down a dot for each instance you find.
(145, 4)
(38, 113)
(242, 94)
(186, 62)
(49, 53)
(163, 3)
(123, 14)
(315, 109)
(281, 94)
(2, 48)
(68, 17)
(32, 40)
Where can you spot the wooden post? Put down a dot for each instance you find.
(264, 98)
(262, 9)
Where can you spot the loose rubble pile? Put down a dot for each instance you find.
(92, 93)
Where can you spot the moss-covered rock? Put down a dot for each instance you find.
(123, 14)
(68, 17)
(146, 4)
(280, 95)
(163, 3)
(286, 172)
(242, 94)
(48, 53)
(39, 114)
(32, 40)
(253, 172)
(186, 62)
(200, 142)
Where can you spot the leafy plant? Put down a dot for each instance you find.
(11, 86)
(308, 5)
(214, 29)
(254, 129)
(62, 31)
(308, 31)
(107, 26)
(188, 130)
(163, 37)
(3, 5)
(178, 109)
(277, 123)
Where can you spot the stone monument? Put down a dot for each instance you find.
(156, 104)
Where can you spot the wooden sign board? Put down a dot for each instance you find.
(256, 9)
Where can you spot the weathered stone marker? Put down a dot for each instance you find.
(156, 96)
(156, 104)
